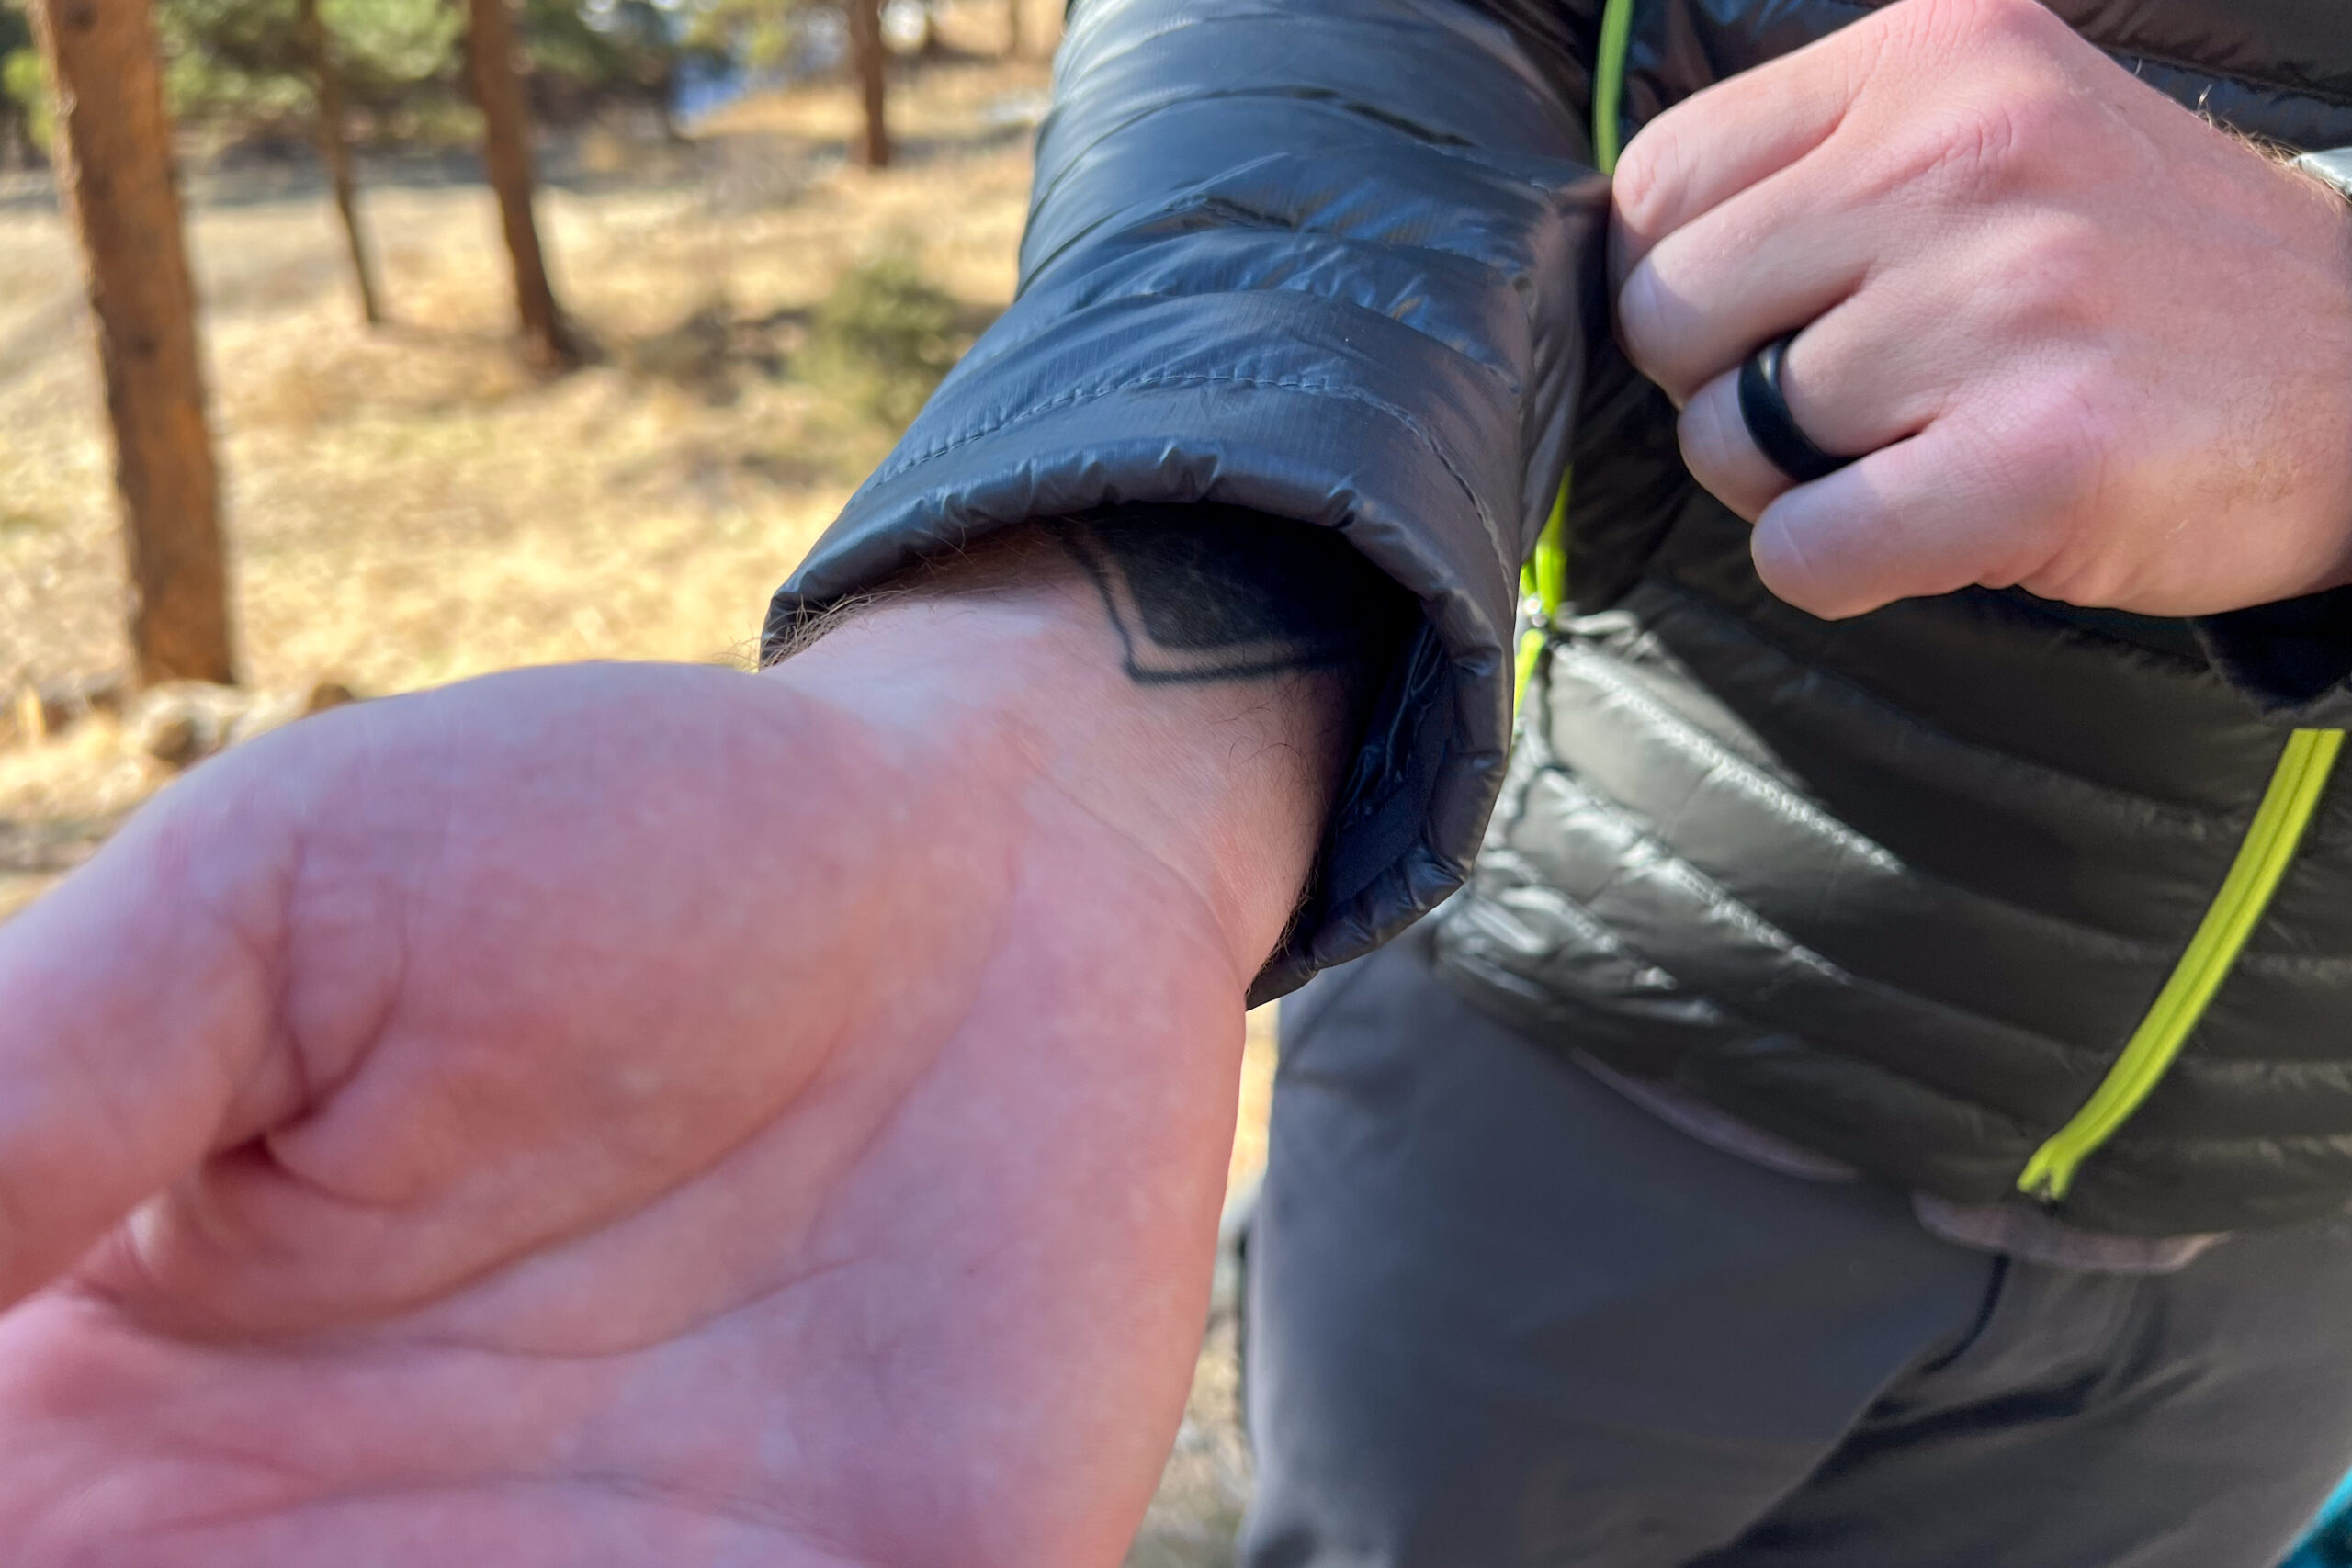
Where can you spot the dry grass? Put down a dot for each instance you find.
(410, 507)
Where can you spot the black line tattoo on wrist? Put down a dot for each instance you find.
(1203, 593)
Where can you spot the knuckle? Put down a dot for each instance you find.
(2018, 17)
(1966, 154)
(2062, 438)
(1794, 563)
(1985, 151)
(1641, 176)
(1996, 95)
(1644, 328)
(2029, 21)
(1942, 24)
(1646, 189)
(1722, 456)
(1708, 444)
(2055, 281)
(2040, 469)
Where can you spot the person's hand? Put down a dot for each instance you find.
(2093, 346)
(648, 1115)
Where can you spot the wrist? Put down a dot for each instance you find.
(1006, 668)
(2327, 177)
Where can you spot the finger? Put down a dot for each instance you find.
(1853, 383)
(1952, 506)
(135, 1010)
(1716, 143)
(1720, 454)
(1771, 261)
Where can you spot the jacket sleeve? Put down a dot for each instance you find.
(2293, 659)
(1334, 261)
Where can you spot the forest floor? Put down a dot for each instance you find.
(409, 506)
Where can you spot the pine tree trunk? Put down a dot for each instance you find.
(872, 58)
(335, 146)
(1012, 30)
(113, 156)
(506, 154)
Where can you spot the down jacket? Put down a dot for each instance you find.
(1906, 889)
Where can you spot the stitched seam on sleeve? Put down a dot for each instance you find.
(1494, 364)
(1082, 157)
(1157, 380)
(1198, 196)
(1517, 275)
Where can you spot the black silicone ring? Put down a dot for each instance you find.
(1774, 429)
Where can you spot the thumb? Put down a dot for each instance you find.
(136, 1022)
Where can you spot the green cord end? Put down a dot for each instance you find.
(1546, 573)
(1543, 578)
(1531, 648)
(2044, 1180)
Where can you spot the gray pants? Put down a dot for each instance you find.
(1500, 1315)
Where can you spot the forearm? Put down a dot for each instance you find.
(857, 1042)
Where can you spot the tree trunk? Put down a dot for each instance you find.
(1012, 30)
(335, 146)
(666, 106)
(506, 154)
(873, 61)
(113, 156)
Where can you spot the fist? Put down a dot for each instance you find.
(2084, 342)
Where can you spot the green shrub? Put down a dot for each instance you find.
(24, 95)
(885, 337)
(238, 64)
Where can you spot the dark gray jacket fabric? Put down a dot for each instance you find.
(1898, 889)
(1338, 261)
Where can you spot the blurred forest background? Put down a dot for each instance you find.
(767, 226)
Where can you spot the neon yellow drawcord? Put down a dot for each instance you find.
(1545, 578)
(2296, 785)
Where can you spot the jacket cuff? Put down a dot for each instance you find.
(2293, 659)
(1295, 433)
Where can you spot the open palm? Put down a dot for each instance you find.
(608, 1115)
